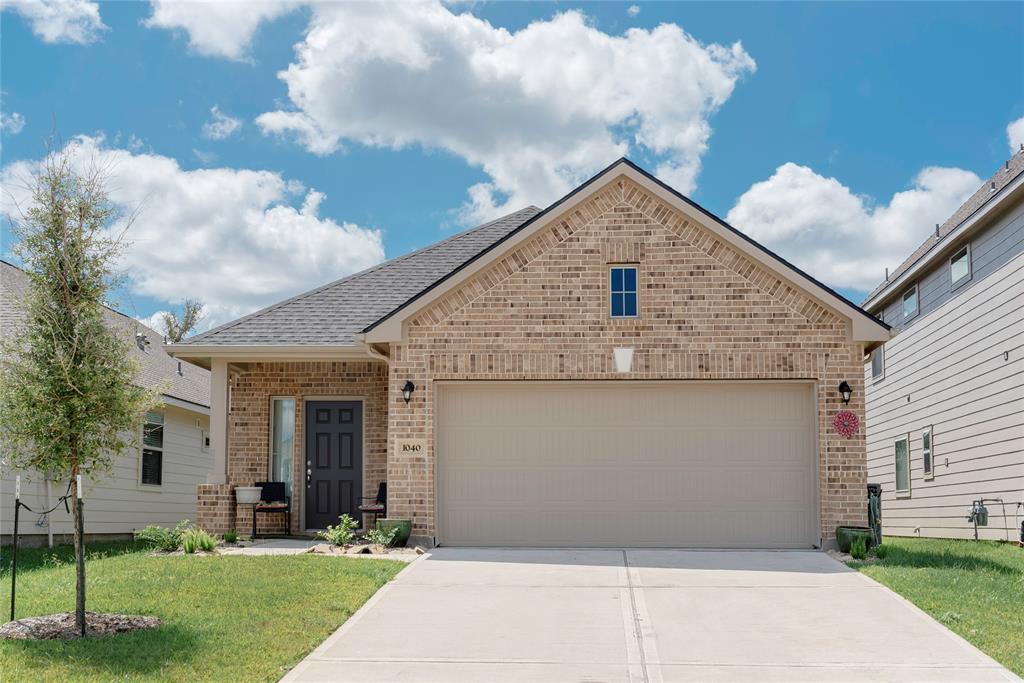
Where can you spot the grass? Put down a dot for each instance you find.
(225, 618)
(976, 588)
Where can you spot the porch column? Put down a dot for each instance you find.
(218, 421)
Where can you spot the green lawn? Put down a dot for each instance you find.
(976, 588)
(225, 618)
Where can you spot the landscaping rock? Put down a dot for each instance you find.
(62, 626)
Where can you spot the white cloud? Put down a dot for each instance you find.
(633, 10)
(12, 123)
(221, 126)
(539, 109)
(61, 21)
(1015, 135)
(203, 157)
(218, 29)
(841, 238)
(231, 237)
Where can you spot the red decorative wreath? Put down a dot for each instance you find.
(846, 423)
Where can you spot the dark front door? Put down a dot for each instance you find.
(334, 461)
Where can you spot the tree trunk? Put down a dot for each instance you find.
(79, 556)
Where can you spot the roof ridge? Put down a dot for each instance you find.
(352, 276)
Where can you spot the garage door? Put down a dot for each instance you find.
(716, 465)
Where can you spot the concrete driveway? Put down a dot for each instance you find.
(640, 615)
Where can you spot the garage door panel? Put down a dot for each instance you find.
(677, 465)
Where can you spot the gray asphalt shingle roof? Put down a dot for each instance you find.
(157, 369)
(336, 312)
(1013, 168)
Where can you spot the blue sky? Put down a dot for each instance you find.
(802, 136)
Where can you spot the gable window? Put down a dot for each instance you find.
(152, 471)
(910, 302)
(282, 441)
(878, 363)
(902, 452)
(926, 453)
(623, 291)
(960, 266)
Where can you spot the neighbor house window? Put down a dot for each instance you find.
(960, 266)
(623, 291)
(926, 453)
(153, 450)
(282, 441)
(902, 450)
(910, 302)
(878, 363)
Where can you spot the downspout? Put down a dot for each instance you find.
(374, 353)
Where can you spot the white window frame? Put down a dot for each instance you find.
(270, 444)
(880, 350)
(902, 493)
(162, 449)
(954, 284)
(917, 302)
(636, 268)
(928, 453)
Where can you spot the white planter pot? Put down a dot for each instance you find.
(248, 495)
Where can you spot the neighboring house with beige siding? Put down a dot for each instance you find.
(155, 484)
(945, 396)
(622, 368)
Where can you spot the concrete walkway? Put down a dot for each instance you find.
(640, 615)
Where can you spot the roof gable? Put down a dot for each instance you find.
(864, 326)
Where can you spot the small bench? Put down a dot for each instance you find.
(379, 506)
(273, 499)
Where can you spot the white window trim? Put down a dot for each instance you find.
(144, 447)
(901, 493)
(917, 302)
(956, 284)
(635, 267)
(928, 474)
(270, 443)
(880, 349)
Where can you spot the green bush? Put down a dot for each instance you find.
(342, 534)
(381, 537)
(881, 551)
(859, 548)
(163, 538)
(231, 536)
(194, 539)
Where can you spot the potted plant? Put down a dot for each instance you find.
(248, 495)
(846, 534)
(402, 527)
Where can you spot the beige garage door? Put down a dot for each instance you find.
(715, 465)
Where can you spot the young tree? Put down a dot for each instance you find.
(68, 395)
(191, 314)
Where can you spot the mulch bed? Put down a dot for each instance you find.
(62, 626)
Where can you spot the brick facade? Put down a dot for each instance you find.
(540, 312)
(252, 389)
(707, 312)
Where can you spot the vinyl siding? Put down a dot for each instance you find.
(947, 370)
(118, 503)
(991, 249)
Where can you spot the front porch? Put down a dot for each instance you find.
(267, 436)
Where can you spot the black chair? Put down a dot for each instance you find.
(271, 500)
(379, 506)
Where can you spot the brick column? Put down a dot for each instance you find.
(215, 510)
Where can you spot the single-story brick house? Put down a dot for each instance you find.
(622, 368)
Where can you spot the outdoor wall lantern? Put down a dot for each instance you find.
(407, 390)
(844, 389)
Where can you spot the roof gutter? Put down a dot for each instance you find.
(202, 353)
(945, 242)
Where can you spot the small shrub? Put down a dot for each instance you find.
(342, 534)
(231, 536)
(163, 538)
(381, 537)
(859, 548)
(194, 539)
(881, 551)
